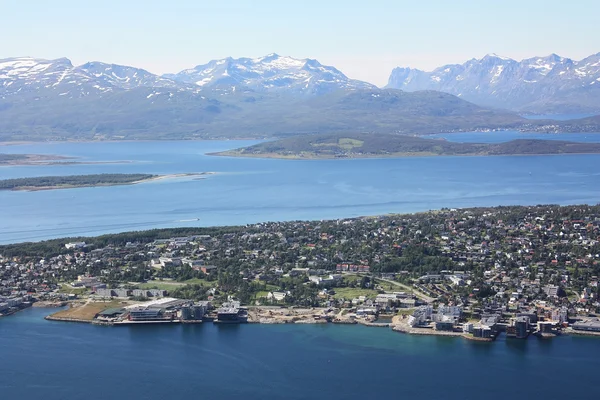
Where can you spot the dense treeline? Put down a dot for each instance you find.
(73, 180)
(54, 247)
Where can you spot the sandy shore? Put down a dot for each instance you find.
(199, 175)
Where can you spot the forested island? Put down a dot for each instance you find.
(74, 181)
(29, 159)
(364, 145)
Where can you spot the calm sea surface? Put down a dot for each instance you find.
(53, 360)
(245, 190)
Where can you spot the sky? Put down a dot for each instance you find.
(364, 39)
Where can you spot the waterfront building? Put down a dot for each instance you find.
(185, 313)
(444, 326)
(14, 301)
(420, 316)
(231, 312)
(110, 314)
(482, 331)
(198, 311)
(522, 327)
(149, 314)
(589, 325)
(519, 327)
(546, 327)
(560, 315)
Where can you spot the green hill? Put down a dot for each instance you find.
(245, 114)
(343, 145)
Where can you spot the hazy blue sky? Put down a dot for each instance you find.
(364, 39)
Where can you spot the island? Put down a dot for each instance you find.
(473, 273)
(365, 145)
(30, 159)
(79, 181)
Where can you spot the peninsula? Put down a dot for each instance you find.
(79, 181)
(364, 145)
(473, 273)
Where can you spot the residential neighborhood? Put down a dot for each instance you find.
(453, 270)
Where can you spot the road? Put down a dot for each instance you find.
(417, 293)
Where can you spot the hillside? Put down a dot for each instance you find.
(151, 113)
(342, 145)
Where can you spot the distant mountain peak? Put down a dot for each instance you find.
(494, 55)
(270, 73)
(538, 84)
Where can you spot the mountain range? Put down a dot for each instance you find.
(269, 74)
(551, 84)
(271, 96)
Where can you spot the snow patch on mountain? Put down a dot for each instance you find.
(271, 73)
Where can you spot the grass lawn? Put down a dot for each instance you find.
(70, 290)
(351, 293)
(203, 282)
(87, 311)
(170, 285)
(349, 144)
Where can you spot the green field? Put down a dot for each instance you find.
(171, 285)
(64, 288)
(351, 293)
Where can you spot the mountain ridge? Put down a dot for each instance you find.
(273, 96)
(549, 84)
(269, 73)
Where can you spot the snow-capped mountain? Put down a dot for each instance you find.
(24, 76)
(272, 73)
(539, 84)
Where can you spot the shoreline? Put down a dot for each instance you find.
(275, 156)
(285, 316)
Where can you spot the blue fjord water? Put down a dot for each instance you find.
(248, 190)
(54, 360)
(63, 361)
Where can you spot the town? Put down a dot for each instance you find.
(474, 273)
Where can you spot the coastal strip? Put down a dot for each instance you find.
(82, 181)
